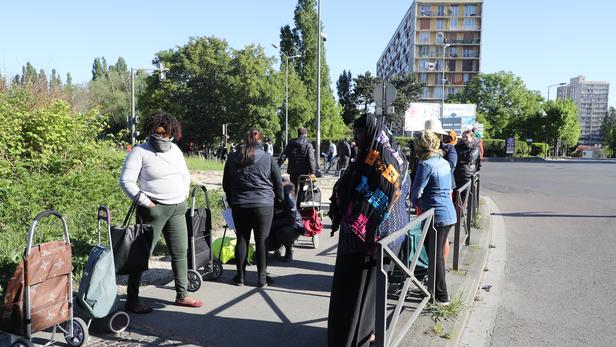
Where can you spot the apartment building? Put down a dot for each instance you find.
(436, 36)
(591, 98)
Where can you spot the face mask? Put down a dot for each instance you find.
(160, 143)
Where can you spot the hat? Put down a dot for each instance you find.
(454, 137)
(434, 125)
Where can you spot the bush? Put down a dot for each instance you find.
(521, 149)
(493, 148)
(539, 149)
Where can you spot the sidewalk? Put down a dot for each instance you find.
(292, 311)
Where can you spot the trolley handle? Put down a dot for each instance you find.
(194, 198)
(104, 215)
(40, 216)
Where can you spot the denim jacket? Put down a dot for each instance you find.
(432, 189)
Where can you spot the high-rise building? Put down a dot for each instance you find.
(436, 35)
(591, 100)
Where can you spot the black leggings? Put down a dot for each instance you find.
(258, 219)
(440, 284)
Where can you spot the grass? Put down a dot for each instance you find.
(442, 313)
(197, 163)
(476, 221)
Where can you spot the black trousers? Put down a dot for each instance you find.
(258, 219)
(440, 287)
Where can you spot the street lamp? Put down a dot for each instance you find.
(445, 45)
(286, 94)
(162, 75)
(554, 85)
(319, 36)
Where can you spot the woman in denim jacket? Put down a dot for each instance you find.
(432, 189)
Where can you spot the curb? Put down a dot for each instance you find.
(480, 318)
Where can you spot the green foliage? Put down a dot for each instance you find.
(521, 149)
(539, 149)
(561, 122)
(196, 163)
(493, 148)
(608, 131)
(408, 90)
(364, 86)
(346, 97)
(504, 104)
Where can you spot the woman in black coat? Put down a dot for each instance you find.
(468, 158)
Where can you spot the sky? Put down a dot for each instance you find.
(543, 42)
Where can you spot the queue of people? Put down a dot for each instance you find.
(368, 202)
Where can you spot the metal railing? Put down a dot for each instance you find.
(466, 202)
(386, 261)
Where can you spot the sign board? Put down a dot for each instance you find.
(457, 117)
(384, 93)
(510, 146)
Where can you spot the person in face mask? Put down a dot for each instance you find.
(157, 169)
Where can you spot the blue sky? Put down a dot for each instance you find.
(543, 42)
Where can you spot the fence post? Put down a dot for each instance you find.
(456, 236)
(380, 329)
(470, 201)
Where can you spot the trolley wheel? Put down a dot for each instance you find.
(194, 281)
(315, 241)
(118, 322)
(80, 333)
(216, 270)
(22, 343)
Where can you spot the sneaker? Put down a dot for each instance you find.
(288, 256)
(238, 281)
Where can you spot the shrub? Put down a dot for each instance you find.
(539, 149)
(493, 148)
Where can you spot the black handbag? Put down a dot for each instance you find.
(131, 244)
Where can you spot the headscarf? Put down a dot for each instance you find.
(366, 192)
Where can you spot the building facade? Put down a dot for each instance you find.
(591, 98)
(436, 36)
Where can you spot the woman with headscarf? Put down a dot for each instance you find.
(253, 186)
(432, 189)
(367, 204)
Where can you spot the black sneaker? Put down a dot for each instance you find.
(238, 281)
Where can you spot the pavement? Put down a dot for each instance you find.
(293, 310)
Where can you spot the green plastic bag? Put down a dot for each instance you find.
(228, 249)
(415, 237)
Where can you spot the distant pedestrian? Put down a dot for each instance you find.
(332, 155)
(253, 186)
(344, 154)
(301, 156)
(479, 136)
(469, 159)
(360, 201)
(268, 146)
(159, 167)
(432, 189)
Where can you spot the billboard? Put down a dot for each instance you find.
(458, 117)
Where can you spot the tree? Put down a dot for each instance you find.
(408, 90)
(561, 122)
(364, 86)
(346, 97)
(608, 131)
(503, 102)
(55, 81)
(306, 29)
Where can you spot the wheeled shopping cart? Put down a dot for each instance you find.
(202, 264)
(309, 206)
(40, 293)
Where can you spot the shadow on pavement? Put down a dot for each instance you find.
(550, 214)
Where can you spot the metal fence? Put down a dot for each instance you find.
(387, 260)
(466, 202)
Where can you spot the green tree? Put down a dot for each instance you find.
(364, 86)
(55, 81)
(408, 90)
(608, 131)
(561, 122)
(503, 102)
(346, 97)
(332, 125)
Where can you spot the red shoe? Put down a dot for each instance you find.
(189, 302)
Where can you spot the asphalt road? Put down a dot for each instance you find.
(560, 274)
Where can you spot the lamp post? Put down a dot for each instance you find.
(286, 95)
(133, 118)
(318, 154)
(445, 45)
(554, 85)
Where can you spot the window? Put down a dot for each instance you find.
(424, 24)
(451, 65)
(451, 91)
(469, 23)
(425, 10)
(470, 10)
(423, 77)
(440, 10)
(466, 77)
(424, 37)
(468, 52)
(423, 51)
(453, 11)
(440, 24)
(453, 24)
(439, 39)
(425, 93)
(467, 65)
(453, 52)
(438, 92)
